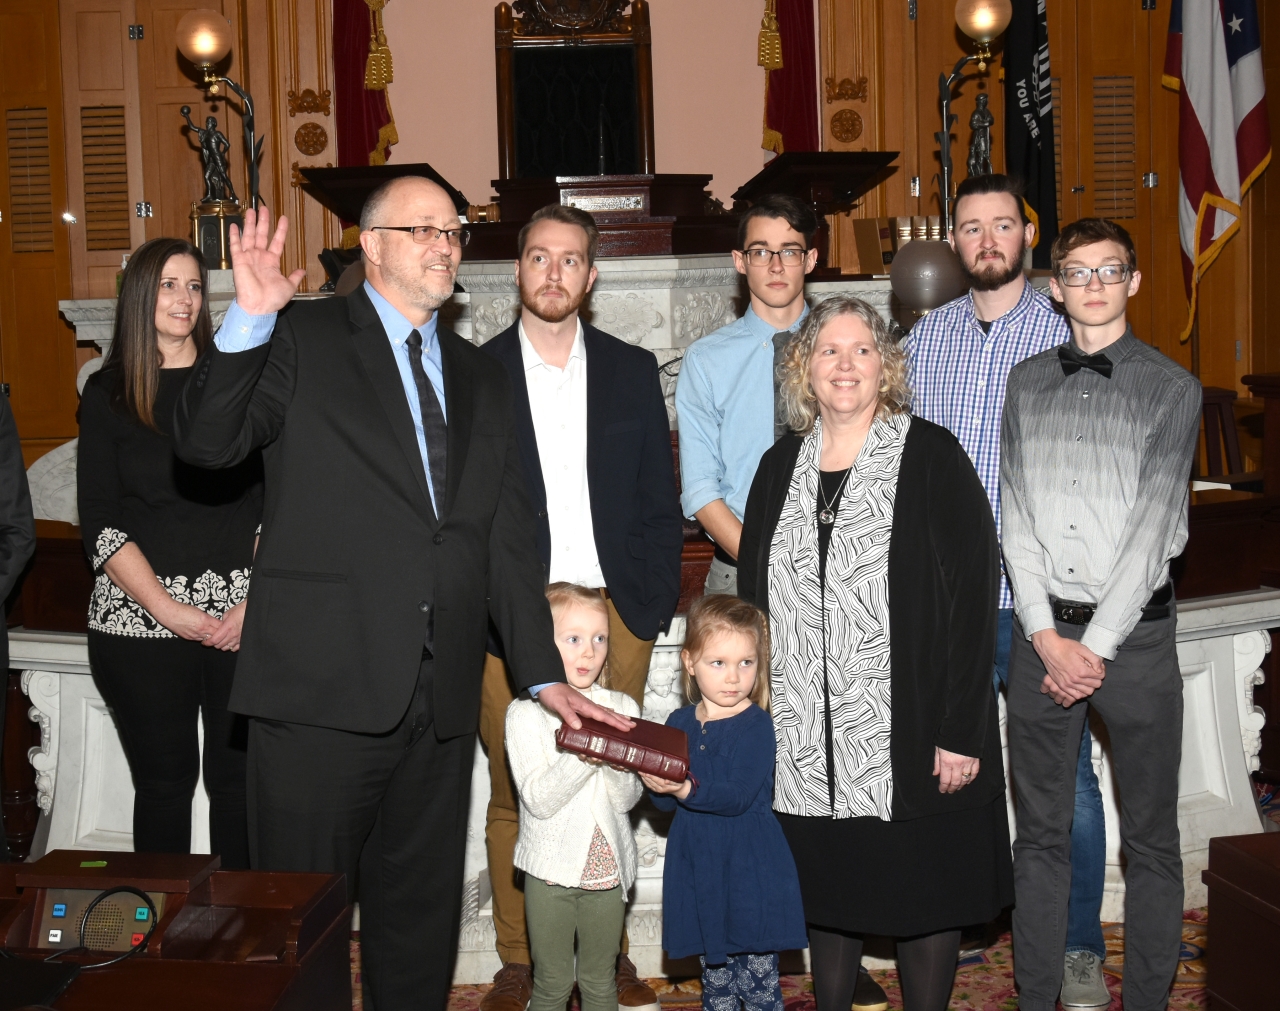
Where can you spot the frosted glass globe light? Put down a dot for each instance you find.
(204, 37)
(983, 20)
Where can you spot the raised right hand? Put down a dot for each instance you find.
(1073, 671)
(255, 264)
(187, 622)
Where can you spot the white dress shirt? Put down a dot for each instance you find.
(558, 403)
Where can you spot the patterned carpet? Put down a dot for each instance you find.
(983, 982)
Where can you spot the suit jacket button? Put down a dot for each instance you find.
(424, 606)
(437, 539)
(542, 514)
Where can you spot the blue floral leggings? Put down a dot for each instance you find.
(751, 979)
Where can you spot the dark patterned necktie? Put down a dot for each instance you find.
(1074, 360)
(433, 423)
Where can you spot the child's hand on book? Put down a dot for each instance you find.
(600, 761)
(658, 785)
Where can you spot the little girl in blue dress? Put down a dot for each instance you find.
(730, 893)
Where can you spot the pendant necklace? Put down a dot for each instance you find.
(827, 515)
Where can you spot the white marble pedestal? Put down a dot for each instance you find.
(84, 787)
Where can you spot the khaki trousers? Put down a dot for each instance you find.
(627, 671)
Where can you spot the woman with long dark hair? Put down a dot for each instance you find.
(172, 547)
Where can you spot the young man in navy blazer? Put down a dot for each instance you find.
(595, 445)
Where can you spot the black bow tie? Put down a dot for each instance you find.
(1073, 361)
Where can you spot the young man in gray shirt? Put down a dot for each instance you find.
(1096, 450)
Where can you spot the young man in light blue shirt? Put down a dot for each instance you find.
(725, 391)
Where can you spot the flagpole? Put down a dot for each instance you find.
(1195, 342)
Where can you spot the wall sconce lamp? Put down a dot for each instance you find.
(204, 38)
(983, 21)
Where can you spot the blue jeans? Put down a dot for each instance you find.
(1088, 829)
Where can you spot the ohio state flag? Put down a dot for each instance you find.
(1214, 59)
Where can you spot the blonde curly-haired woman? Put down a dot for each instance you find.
(869, 542)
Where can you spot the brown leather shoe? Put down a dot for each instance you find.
(511, 990)
(633, 994)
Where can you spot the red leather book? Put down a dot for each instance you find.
(649, 747)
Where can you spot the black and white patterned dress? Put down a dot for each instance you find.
(196, 527)
(833, 707)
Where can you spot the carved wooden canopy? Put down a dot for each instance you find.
(558, 17)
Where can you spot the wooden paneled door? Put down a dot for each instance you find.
(37, 347)
(104, 141)
(170, 155)
(1118, 145)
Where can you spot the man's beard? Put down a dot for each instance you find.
(421, 286)
(556, 311)
(994, 274)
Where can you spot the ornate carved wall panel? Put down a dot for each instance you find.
(292, 70)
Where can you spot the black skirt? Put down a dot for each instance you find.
(903, 878)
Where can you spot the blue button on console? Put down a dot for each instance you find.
(141, 913)
(59, 909)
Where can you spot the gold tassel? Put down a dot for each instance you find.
(770, 51)
(378, 69)
(387, 136)
(772, 140)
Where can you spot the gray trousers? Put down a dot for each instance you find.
(721, 578)
(1141, 703)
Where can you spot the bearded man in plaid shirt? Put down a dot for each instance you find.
(960, 356)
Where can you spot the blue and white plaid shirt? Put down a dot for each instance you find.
(957, 374)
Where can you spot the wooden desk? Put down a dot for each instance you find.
(227, 940)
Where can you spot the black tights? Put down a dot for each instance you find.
(926, 968)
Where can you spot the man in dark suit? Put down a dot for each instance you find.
(595, 446)
(395, 527)
(17, 544)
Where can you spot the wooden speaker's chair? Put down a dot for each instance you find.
(575, 88)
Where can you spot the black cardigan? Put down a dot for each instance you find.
(944, 572)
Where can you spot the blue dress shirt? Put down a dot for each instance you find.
(724, 410)
(241, 332)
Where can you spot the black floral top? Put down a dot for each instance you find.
(196, 527)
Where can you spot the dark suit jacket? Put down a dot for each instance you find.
(353, 572)
(635, 511)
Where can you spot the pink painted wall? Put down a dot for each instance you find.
(708, 90)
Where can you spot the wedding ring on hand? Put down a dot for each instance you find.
(965, 775)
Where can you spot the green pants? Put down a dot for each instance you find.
(554, 915)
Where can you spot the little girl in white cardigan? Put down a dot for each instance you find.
(575, 845)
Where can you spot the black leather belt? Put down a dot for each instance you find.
(1073, 612)
(724, 556)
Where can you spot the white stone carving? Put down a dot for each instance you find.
(701, 313)
(664, 689)
(84, 786)
(629, 317)
(669, 360)
(1250, 648)
(488, 319)
(41, 687)
(53, 483)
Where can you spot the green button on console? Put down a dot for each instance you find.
(141, 913)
